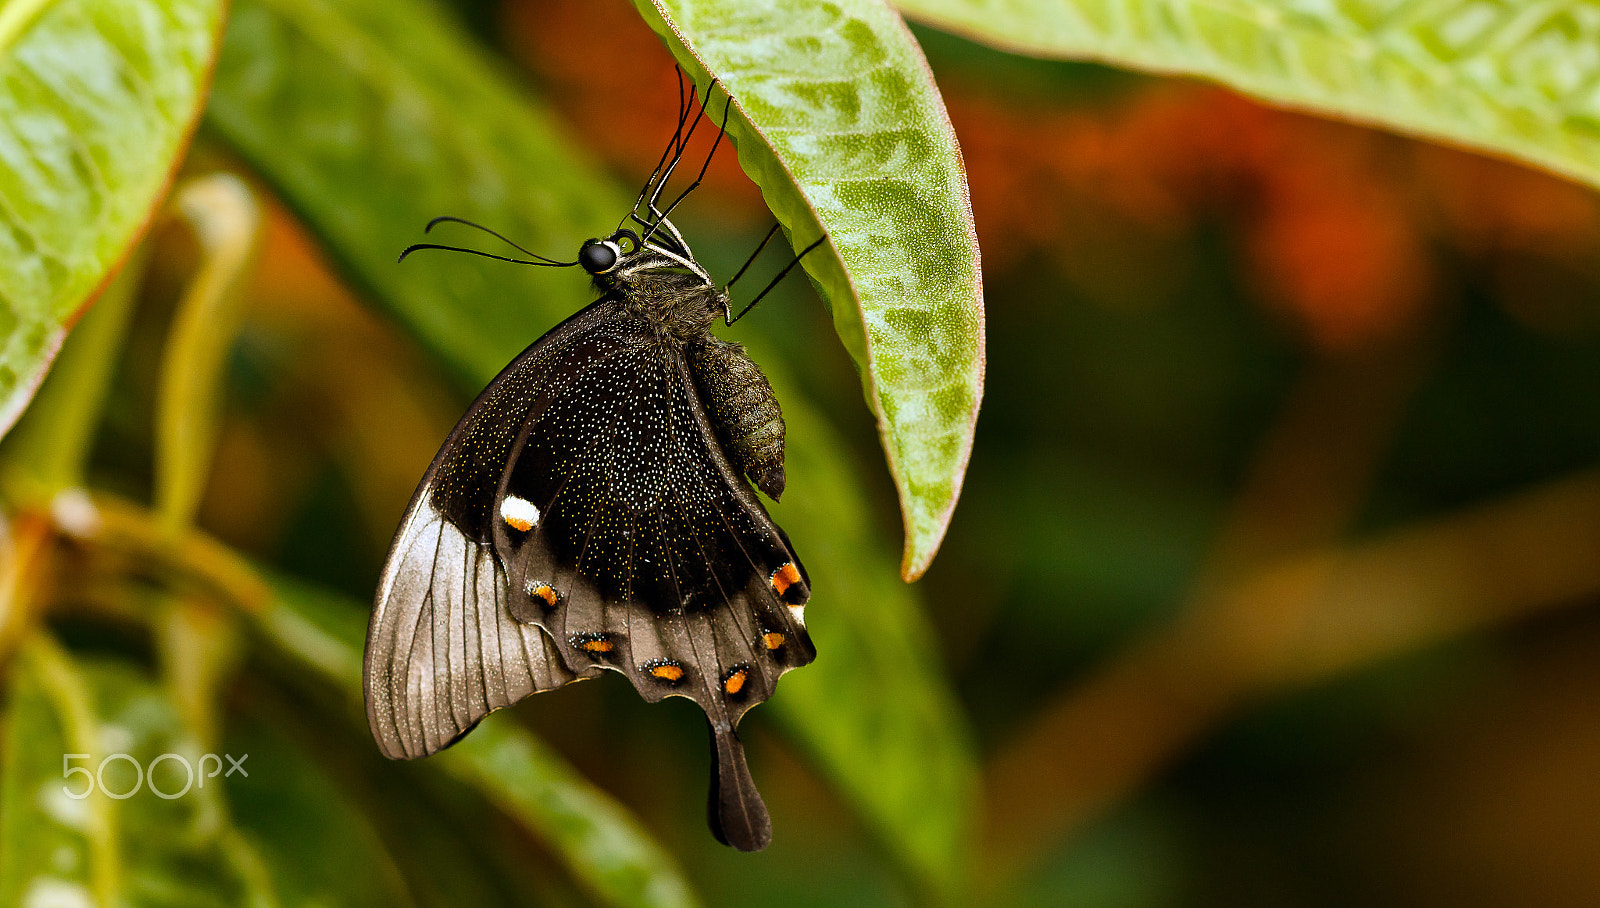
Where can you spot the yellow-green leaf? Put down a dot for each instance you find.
(97, 100)
(226, 221)
(841, 126)
(1516, 77)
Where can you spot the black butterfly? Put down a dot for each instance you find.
(590, 512)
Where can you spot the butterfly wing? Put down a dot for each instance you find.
(442, 650)
(649, 555)
(584, 516)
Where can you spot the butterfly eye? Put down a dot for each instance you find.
(598, 256)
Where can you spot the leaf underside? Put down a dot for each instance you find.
(1507, 76)
(841, 126)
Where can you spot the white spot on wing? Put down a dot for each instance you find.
(519, 513)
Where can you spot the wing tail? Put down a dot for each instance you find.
(737, 815)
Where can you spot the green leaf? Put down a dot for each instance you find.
(1507, 76)
(277, 76)
(49, 842)
(97, 100)
(49, 448)
(602, 844)
(527, 780)
(304, 823)
(841, 126)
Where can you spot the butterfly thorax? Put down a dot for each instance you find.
(680, 307)
(680, 303)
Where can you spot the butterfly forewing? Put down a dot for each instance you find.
(442, 649)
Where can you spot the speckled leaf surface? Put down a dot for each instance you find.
(841, 126)
(1516, 77)
(97, 101)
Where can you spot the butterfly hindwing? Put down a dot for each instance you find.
(442, 651)
(650, 556)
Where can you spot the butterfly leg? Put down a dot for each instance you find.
(774, 282)
(674, 145)
(727, 313)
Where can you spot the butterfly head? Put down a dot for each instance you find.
(624, 258)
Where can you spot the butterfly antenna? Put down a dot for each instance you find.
(487, 255)
(752, 259)
(682, 146)
(786, 269)
(496, 235)
(673, 152)
(699, 106)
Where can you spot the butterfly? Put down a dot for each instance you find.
(594, 510)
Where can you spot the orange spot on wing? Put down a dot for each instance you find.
(734, 683)
(597, 645)
(545, 592)
(785, 577)
(772, 639)
(667, 671)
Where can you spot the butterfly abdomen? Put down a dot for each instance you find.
(743, 409)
